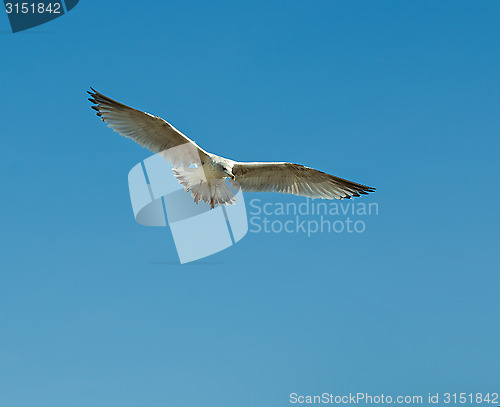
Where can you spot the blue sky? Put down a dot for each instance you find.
(403, 96)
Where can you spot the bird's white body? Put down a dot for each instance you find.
(206, 181)
(216, 167)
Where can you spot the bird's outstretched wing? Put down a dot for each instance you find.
(295, 179)
(149, 131)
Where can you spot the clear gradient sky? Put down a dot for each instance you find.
(404, 96)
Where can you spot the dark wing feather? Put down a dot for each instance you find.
(295, 179)
(149, 131)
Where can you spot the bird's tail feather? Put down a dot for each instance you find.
(211, 191)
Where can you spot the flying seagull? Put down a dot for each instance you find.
(204, 174)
